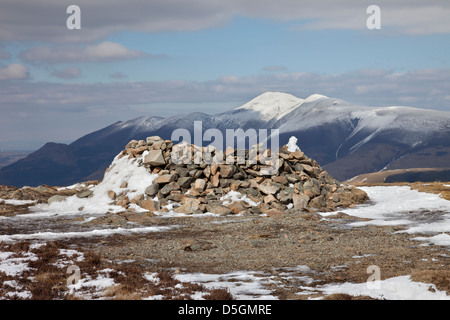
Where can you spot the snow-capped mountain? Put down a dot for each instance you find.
(345, 139)
(271, 105)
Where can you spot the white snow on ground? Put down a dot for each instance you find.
(426, 215)
(397, 288)
(233, 196)
(441, 239)
(85, 234)
(83, 287)
(121, 170)
(420, 212)
(15, 202)
(13, 266)
(249, 285)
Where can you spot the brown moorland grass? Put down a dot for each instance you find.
(440, 278)
(46, 277)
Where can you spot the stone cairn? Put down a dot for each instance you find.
(299, 185)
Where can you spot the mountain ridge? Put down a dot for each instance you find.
(346, 139)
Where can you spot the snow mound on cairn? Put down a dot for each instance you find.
(292, 144)
(122, 170)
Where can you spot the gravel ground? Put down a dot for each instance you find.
(269, 245)
(333, 252)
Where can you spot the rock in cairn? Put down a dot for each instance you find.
(298, 185)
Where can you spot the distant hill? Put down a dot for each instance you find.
(8, 157)
(347, 140)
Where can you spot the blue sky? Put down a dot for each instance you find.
(165, 57)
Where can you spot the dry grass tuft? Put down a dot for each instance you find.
(440, 278)
(121, 292)
(219, 294)
(344, 296)
(434, 187)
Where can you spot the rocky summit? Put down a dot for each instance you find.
(263, 182)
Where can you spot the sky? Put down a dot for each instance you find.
(164, 57)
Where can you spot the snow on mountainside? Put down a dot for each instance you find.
(317, 110)
(329, 130)
(272, 105)
(321, 110)
(289, 113)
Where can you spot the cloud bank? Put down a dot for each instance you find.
(14, 71)
(106, 51)
(46, 19)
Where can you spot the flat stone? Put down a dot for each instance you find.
(168, 188)
(150, 205)
(136, 151)
(300, 201)
(298, 154)
(155, 158)
(189, 206)
(268, 188)
(269, 199)
(165, 178)
(85, 194)
(252, 172)
(280, 179)
(185, 182)
(308, 169)
(152, 190)
(227, 170)
(218, 209)
(151, 140)
(200, 184)
(160, 144)
(238, 206)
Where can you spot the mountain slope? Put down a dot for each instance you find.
(347, 140)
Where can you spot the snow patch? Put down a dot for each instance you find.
(86, 234)
(315, 97)
(420, 212)
(292, 144)
(398, 288)
(121, 170)
(273, 105)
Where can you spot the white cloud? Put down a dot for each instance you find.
(44, 20)
(14, 71)
(370, 87)
(67, 73)
(103, 52)
(69, 110)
